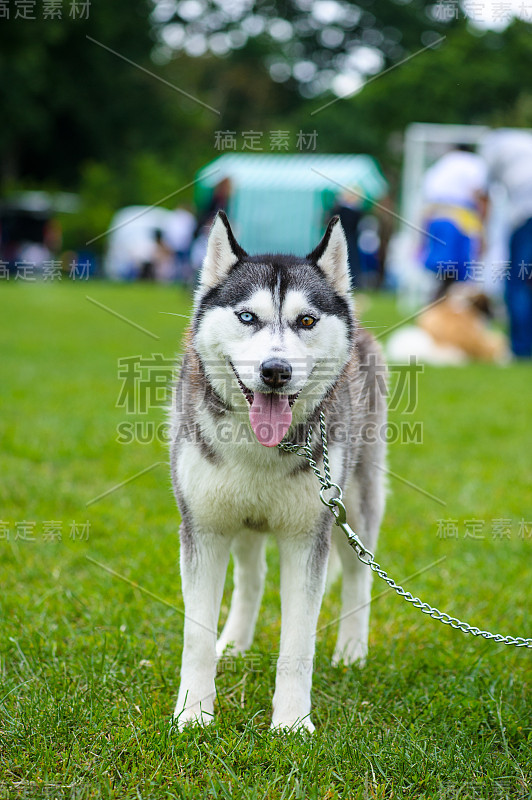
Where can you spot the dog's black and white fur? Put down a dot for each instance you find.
(273, 342)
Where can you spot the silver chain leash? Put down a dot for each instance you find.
(337, 509)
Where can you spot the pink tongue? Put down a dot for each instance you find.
(270, 416)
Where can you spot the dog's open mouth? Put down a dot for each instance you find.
(270, 415)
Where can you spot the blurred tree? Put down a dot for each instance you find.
(239, 86)
(310, 44)
(103, 189)
(66, 99)
(70, 104)
(469, 78)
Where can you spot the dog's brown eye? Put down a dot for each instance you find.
(306, 322)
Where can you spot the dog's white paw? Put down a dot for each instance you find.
(290, 726)
(354, 652)
(200, 712)
(193, 715)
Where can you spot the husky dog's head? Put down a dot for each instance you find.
(273, 332)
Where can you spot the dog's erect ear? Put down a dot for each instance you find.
(331, 256)
(223, 252)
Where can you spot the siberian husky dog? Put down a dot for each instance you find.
(273, 342)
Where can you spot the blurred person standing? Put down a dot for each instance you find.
(455, 196)
(508, 154)
(163, 259)
(179, 234)
(219, 201)
(349, 208)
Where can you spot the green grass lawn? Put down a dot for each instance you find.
(89, 663)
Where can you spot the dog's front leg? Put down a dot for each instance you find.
(204, 559)
(303, 571)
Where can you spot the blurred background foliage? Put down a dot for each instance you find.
(81, 118)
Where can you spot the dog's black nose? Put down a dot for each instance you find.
(275, 372)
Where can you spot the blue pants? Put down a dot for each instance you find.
(518, 293)
(448, 249)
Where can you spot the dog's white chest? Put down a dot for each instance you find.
(235, 494)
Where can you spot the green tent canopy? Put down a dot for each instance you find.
(280, 203)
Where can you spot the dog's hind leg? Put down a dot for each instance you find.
(334, 566)
(249, 573)
(204, 559)
(364, 498)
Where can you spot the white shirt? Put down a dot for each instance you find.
(455, 179)
(508, 154)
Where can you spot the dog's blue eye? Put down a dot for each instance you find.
(246, 317)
